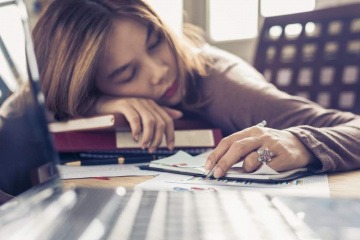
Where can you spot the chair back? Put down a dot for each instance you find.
(315, 55)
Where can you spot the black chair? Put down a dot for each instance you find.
(315, 55)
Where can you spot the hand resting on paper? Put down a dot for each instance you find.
(144, 115)
(288, 151)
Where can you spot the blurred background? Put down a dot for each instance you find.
(235, 26)
(232, 25)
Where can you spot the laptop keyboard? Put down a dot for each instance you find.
(91, 203)
(206, 215)
(107, 214)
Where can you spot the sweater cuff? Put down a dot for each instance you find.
(316, 147)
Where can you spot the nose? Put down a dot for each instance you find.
(157, 71)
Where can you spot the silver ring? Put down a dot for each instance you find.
(265, 155)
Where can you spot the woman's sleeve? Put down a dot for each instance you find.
(241, 98)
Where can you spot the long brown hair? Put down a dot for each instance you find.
(70, 38)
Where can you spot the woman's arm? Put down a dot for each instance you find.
(143, 115)
(245, 98)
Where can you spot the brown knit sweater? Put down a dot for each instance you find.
(241, 97)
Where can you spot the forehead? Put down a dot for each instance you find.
(125, 39)
(126, 31)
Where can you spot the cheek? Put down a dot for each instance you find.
(106, 87)
(101, 86)
(121, 90)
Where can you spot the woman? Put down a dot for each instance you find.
(103, 56)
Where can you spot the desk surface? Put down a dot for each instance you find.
(340, 184)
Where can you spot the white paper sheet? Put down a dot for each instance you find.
(315, 186)
(184, 160)
(116, 170)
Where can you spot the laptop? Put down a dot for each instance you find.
(43, 209)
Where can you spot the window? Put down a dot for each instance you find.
(238, 19)
(12, 37)
(232, 19)
(170, 11)
(281, 7)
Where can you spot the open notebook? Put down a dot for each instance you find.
(43, 209)
(184, 163)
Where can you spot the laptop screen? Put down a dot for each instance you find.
(27, 157)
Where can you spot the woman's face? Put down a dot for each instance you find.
(138, 62)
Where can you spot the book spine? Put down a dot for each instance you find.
(85, 140)
(76, 141)
(128, 153)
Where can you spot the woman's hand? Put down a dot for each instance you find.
(143, 115)
(288, 152)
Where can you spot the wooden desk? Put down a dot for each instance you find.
(341, 184)
(345, 184)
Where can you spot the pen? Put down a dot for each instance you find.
(211, 173)
(105, 161)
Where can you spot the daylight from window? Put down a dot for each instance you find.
(238, 20)
(281, 7)
(170, 11)
(233, 20)
(11, 34)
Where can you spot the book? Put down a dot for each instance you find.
(112, 132)
(126, 153)
(109, 121)
(184, 163)
(102, 140)
(116, 121)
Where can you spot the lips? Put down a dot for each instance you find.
(171, 90)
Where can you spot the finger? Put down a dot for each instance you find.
(217, 153)
(169, 130)
(226, 142)
(158, 134)
(251, 162)
(134, 119)
(173, 113)
(148, 123)
(237, 150)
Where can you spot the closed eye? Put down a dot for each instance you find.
(154, 39)
(130, 76)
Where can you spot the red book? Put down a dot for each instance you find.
(115, 122)
(112, 132)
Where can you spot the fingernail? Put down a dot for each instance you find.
(171, 145)
(180, 114)
(136, 137)
(144, 146)
(152, 149)
(218, 172)
(207, 165)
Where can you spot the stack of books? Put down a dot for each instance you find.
(109, 136)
